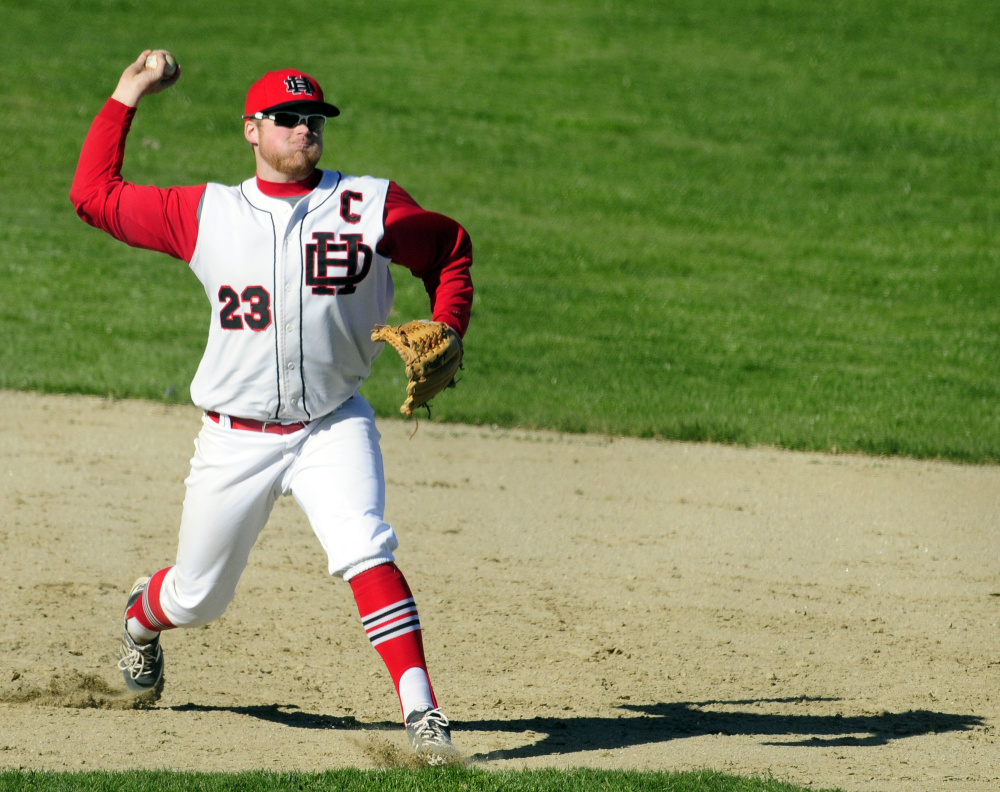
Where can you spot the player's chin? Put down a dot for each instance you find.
(302, 163)
(311, 154)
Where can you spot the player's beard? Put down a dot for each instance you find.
(298, 163)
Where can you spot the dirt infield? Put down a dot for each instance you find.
(586, 601)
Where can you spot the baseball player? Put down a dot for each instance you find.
(295, 264)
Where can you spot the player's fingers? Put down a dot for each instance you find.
(136, 81)
(161, 69)
(139, 64)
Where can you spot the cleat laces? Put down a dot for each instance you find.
(430, 737)
(138, 661)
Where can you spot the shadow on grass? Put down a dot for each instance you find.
(653, 723)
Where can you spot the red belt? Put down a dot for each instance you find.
(251, 425)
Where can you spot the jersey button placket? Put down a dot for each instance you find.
(291, 266)
(282, 308)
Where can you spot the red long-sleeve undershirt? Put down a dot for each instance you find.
(433, 247)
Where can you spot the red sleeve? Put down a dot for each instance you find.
(434, 248)
(147, 217)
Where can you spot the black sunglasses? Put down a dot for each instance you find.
(285, 118)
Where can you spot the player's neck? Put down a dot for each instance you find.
(285, 189)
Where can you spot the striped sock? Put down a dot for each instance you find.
(390, 619)
(146, 610)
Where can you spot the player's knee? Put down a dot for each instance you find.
(354, 540)
(370, 547)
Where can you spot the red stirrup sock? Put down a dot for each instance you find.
(390, 619)
(146, 610)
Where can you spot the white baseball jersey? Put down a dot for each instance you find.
(296, 292)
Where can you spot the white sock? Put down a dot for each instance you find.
(414, 690)
(139, 633)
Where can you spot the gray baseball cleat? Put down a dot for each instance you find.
(140, 664)
(430, 737)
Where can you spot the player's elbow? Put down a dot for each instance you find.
(78, 197)
(83, 201)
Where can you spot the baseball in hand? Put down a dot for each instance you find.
(170, 64)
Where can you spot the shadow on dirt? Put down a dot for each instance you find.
(662, 722)
(291, 715)
(653, 723)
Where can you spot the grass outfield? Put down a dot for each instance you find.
(430, 780)
(758, 221)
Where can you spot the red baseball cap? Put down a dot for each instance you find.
(285, 90)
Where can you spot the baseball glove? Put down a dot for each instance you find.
(432, 354)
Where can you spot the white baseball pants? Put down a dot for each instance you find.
(333, 469)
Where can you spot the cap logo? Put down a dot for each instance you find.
(299, 85)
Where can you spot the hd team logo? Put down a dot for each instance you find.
(336, 267)
(299, 85)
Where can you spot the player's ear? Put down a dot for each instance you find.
(250, 131)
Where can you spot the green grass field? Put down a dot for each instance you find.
(752, 221)
(757, 222)
(429, 780)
